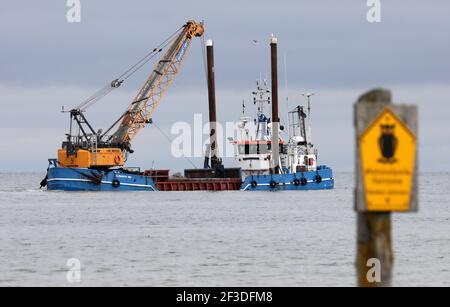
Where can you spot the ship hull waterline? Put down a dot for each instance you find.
(320, 179)
(82, 179)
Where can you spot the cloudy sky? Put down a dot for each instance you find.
(329, 47)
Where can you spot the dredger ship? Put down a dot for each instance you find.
(95, 160)
(297, 157)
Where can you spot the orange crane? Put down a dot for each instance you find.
(87, 148)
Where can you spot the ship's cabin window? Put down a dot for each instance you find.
(254, 149)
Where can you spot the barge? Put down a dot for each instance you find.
(132, 179)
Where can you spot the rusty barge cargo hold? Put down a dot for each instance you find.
(163, 182)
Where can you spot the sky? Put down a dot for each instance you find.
(327, 47)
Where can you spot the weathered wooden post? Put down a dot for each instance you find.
(386, 179)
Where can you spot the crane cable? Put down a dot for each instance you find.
(116, 83)
(143, 61)
(205, 66)
(128, 73)
(203, 47)
(171, 141)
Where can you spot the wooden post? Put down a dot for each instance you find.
(373, 228)
(374, 242)
(374, 110)
(386, 141)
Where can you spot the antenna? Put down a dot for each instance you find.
(308, 97)
(286, 91)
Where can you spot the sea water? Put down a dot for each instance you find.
(305, 238)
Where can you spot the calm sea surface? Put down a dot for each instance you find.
(209, 238)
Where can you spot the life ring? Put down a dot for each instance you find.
(296, 182)
(273, 184)
(115, 183)
(303, 181)
(318, 178)
(254, 184)
(117, 160)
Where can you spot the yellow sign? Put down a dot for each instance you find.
(388, 155)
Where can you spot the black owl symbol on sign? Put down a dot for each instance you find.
(388, 144)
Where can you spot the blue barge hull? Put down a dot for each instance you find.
(83, 179)
(321, 179)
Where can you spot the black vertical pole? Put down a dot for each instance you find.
(275, 117)
(212, 104)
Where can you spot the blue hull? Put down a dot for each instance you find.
(322, 179)
(81, 179)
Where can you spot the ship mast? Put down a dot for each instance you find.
(308, 98)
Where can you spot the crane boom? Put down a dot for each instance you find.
(140, 111)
